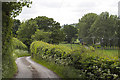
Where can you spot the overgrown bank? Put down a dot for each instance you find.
(18, 49)
(9, 10)
(80, 61)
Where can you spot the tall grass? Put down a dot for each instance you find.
(61, 70)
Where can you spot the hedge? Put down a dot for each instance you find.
(90, 67)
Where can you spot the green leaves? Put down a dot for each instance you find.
(70, 32)
(17, 44)
(9, 10)
(82, 59)
(26, 30)
(41, 35)
(104, 27)
(84, 26)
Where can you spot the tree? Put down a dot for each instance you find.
(41, 35)
(57, 36)
(49, 25)
(118, 33)
(9, 10)
(104, 27)
(70, 32)
(26, 30)
(46, 23)
(84, 26)
(16, 24)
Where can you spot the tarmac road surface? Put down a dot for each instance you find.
(30, 69)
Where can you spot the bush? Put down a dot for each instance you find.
(20, 53)
(92, 48)
(17, 44)
(96, 68)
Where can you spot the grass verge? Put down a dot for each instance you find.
(61, 70)
(9, 71)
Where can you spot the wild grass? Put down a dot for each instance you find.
(61, 70)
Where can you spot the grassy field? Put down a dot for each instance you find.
(107, 53)
(112, 54)
(73, 46)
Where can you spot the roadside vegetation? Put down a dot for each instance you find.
(88, 49)
(20, 49)
(9, 11)
(82, 62)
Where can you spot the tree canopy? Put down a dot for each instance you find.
(105, 27)
(41, 35)
(84, 26)
(26, 30)
(46, 23)
(70, 32)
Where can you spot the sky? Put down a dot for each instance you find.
(67, 11)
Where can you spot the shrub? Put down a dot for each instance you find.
(17, 44)
(20, 53)
(92, 48)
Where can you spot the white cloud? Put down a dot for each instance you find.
(68, 11)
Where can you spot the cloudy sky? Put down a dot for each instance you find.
(68, 11)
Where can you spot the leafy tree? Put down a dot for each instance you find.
(16, 24)
(46, 23)
(84, 26)
(57, 36)
(104, 27)
(70, 32)
(118, 33)
(9, 10)
(49, 25)
(26, 30)
(41, 35)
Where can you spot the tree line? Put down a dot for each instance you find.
(90, 29)
(102, 28)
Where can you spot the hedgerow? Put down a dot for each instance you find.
(17, 44)
(90, 67)
(20, 53)
(8, 61)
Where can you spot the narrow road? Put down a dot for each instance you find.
(30, 69)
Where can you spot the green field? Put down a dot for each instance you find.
(73, 46)
(107, 53)
(111, 54)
